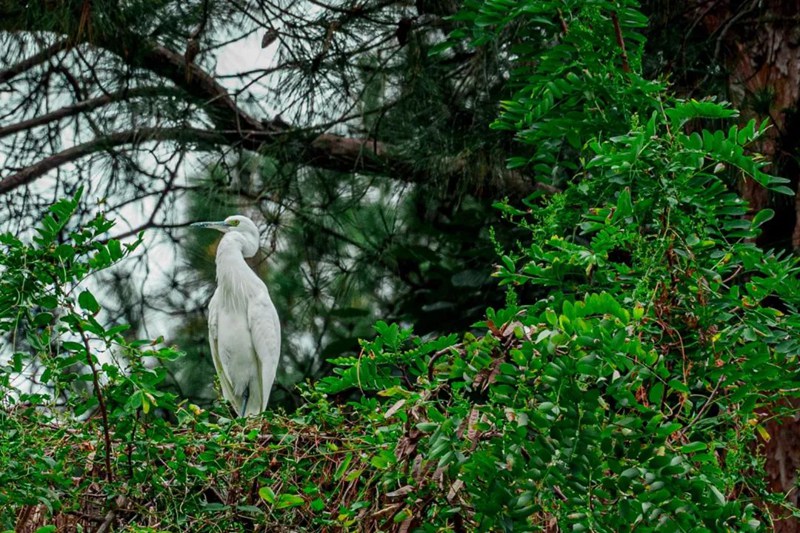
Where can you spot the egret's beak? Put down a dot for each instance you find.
(219, 226)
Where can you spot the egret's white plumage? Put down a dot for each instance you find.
(243, 327)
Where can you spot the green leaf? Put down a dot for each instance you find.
(267, 494)
(679, 386)
(762, 216)
(624, 205)
(215, 507)
(87, 302)
(668, 429)
(353, 475)
(343, 466)
(718, 496)
(693, 447)
(115, 250)
(65, 252)
(289, 500)
(42, 319)
(317, 505)
(782, 189)
(516, 162)
(48, 301)
(656, 392)
(380, 462)
(73, 346)
(249, 509)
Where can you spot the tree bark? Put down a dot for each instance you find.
(759, 44)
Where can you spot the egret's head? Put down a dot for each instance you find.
(240, 228)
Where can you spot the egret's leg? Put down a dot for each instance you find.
(245, 397)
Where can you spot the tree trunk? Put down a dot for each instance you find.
(758, 43)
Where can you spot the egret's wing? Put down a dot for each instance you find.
(213, 341)
(265, 332)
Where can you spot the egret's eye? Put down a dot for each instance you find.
(233, 223)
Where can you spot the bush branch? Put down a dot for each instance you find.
(100, 400)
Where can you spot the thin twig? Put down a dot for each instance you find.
(433, 359)
(130, 446)
(106, 525)
(564, 27)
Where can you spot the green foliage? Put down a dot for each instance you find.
(63, 363)
(570, 84)
(632, 393)
(644, 344)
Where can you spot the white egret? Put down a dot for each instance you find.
(243, 327)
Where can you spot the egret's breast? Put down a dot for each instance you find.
(236, 348)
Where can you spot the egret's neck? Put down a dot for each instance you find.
(235, 278)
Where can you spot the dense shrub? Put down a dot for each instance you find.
(624, 385)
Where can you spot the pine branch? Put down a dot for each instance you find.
(233, 126)
(80, 107)
(36, 59)
(38, 169)
(196, 82)
(327, 151)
